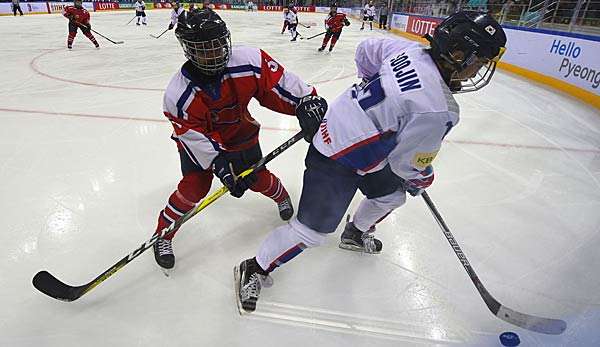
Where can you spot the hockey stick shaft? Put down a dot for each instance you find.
(115, 42)
(51, 286)
(306, 26)
(161, 34)
(312, 37)
(533, 323)
(131, 19)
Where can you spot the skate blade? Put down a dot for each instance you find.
(355, 248)
(236, 289)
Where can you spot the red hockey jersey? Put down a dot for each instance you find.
(336, 22)
(79, 15)
(212, 119)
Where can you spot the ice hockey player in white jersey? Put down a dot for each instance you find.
(291, 17)
(140, 11)
(368, 15)
(379, 137)
(177, 10)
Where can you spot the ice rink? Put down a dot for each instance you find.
(87, 164)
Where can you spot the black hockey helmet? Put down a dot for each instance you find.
(78, 3)
(333, 7)
(465, 40)
(205, 40)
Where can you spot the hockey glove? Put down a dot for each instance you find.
(171, 26)
(223, 169)
(346, 22)
(310, 112)
(416, 186)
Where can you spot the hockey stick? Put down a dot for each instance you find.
(161, 34)
(81, 26)
(46, 283)
(115, 42)
(308, 38)
(306, 26)
(525, 321)
(131, 19)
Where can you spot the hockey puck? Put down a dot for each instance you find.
(509, 339)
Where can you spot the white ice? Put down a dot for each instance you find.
(87, 164)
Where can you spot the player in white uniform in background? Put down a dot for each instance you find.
(379, 137)
(368, 15)
(177, 10)
(140, 11)
(292, 19)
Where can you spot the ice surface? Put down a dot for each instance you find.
(87, 164)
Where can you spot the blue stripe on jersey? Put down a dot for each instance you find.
(243, 68)
(369, 155)
(190, 154)
(183, 99)
(287, 94)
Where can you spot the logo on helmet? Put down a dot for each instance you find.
(490, 29)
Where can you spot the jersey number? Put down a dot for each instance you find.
(372, 94)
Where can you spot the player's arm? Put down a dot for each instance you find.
(412, 157)
(371, 53)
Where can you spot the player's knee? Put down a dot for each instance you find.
(391, 201)
(308, 236)
(195, 185)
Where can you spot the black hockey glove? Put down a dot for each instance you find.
(171, 26)
(346, 22)
(223, 169)
(310, 112)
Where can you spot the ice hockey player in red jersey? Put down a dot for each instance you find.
(207, 103)
(334, 23)
(78, 17)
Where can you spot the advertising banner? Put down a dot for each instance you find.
(160, 5)
(58, 7)
(26, 7)
(569, 59)
(420, 25)
(106, 6)
(280, 8)
(399, 21)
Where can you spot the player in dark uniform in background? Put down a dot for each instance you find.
(78, 17)
(334, 23)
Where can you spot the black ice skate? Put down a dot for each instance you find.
(286, 210)
(330, 48)
(355, 240)
(249, 278)
(321, 49)
(163, 253)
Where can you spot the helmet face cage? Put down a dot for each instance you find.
(209, 56)
(478, 37)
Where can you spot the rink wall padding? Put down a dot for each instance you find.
(564, 61)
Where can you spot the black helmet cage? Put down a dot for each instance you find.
(205, 40)
(479, 37)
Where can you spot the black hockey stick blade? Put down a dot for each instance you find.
(534, 323)
(53, 287)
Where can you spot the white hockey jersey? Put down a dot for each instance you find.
(369, 11)
(140, 6)
(291, 17)
(400, 117)
(175, 15)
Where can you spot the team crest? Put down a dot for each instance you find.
(490, 29)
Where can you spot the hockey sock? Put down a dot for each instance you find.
(143, 20)
(270, 186)
(192, 187)
(92, 38)
(71, 37)
(373, 211)
(325, 40)
(285, 243)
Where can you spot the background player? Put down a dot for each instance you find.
(16, 6)
(78, 17)
(368, 15)
(140, 11)
(207, 103)
(334, 24)
(285, 20)
(175, 12)
(379, 137)
(291, 17)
